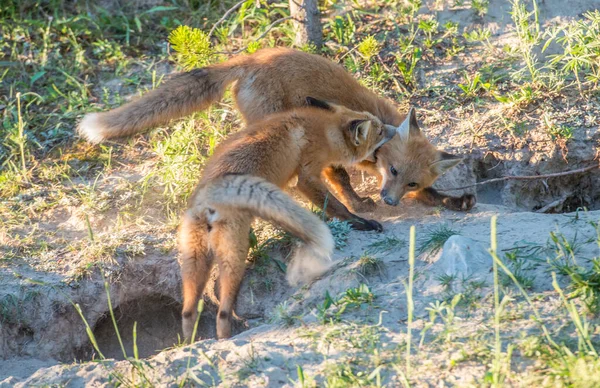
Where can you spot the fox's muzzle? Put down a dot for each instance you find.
(388, 199)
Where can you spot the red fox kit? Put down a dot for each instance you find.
(243, 180)
(275, 80)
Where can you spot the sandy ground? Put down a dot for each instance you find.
(281, 348)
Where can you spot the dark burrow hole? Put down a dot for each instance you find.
(158, 320)
(553, 195)
(489, 168)
(578, 201)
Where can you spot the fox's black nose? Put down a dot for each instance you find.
(390, 201)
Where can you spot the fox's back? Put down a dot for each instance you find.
(272, 148)
(280, 79)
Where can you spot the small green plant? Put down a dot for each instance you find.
(519, 268)
(581, 51)
(528, 30)
(525, 95)
(139, 376)
(253, 47)
(303, 380)
(340, 231)
(578, 369)
(447, 281)
(10, 312)
(446, 312)
(585, 282)
(480, 7)
(10, 183)
(429, 28)
(368, 47)
(323, 312)
(410, 10)
(369, 265)
(473, 85)
(389, 243)
(565, 249)
(524, 293)
(15, 139)
(192, 46)
(355, 297)
(251, 362)
(562, 132)
(343, 29)
(281, 315)
(581, 324)
(469, 289)
(451, 28)
(570, 366)
(340, 375)
(435, 238)
(180, 156)
(259, 250)
(352, 298)
(108, 52)
(407, 59)
(477, 35)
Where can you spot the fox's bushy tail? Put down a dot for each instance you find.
(269, 202)
(181, 95)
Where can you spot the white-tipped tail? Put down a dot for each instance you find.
(91, 129)
(266, 200)
(181, 95)
(308, 264)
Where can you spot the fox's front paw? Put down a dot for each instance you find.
(365, 205)
(461, 204)
(366, 225)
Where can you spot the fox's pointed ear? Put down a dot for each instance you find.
(410, 126)
(311, 101)
(359, 130)
(444, 162)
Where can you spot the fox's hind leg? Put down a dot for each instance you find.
(196, 263)
(230, 243)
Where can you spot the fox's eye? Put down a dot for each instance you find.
(393, 171)
(412, 185)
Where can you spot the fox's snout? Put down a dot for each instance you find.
(387, 199)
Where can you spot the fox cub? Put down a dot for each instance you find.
(243, 180)
(279, 79)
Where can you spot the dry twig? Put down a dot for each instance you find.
(392, 75)
(552, 204)
(526, 177)
(225, 16)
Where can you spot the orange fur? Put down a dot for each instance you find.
(269, 81)
(243, 180)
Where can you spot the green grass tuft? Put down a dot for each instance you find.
(435, 238)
